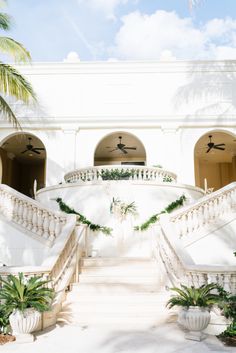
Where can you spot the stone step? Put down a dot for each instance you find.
(117, 261)
(117, 309)
(118, 279)
(116, 322)
(115, 288)
(100, 299)
(119, 270)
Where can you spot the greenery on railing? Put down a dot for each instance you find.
(116, 174)
(82, 219)
(167, 179)
(155, 218)
(157, 166)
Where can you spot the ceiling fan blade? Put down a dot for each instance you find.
(35, 151)
(124, 151)
(220, 144)
(209, 149)
(114, 150)
(25, 151)
(130, 148)
(219, 148)
(38, 148)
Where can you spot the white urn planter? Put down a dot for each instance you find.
(195, 319)
(23, 323)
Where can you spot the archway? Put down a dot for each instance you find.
(23, 160)
(120, 148)
(215, 165)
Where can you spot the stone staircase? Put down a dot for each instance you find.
(120, 293)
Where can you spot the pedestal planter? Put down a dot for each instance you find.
(24, 323)
(195, 320)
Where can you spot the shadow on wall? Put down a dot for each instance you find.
(211, 88)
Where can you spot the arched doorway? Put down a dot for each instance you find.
(23, 160)
(215, 160)
(120, 148)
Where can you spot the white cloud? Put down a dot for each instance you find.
(143, 36)
(72, 57)
(106, 6)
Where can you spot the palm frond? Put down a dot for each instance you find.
(8, 114)
(5, 20)
(12, 83)
(15, 49)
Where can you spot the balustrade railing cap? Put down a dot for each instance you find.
(204, 200)
(162, 171)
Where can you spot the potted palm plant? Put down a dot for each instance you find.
(24, 300)
(196, 304)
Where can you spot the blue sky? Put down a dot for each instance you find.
(125, 29)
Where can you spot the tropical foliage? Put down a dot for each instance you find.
(115, 174)
(228, 307)
(155, 218)
(20, 293)
(4, 319)
(82, 219)
(123, 209)
(192, 296)
(12, 83)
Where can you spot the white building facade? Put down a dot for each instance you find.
(166, 110)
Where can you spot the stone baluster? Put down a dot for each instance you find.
(57, 226)
(25, 215)
(233, 283)
(226, 279)
(45, 225)
(212, 277)
(34, 220)
(29, 218)
(20, 212)
(40, 222)
(51, 227)
(15, 210)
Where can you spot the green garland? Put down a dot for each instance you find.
(155, 217)
(82, 219)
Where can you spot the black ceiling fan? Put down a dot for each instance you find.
(122, 147)
(211, 145)
(31, 148)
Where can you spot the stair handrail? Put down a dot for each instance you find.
(205, 210)
(54, 268)
(36, 220)
(181, 268)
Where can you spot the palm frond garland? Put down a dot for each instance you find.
(22, 293)
(82, 219)
(155, 218)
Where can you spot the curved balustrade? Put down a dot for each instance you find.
(136, 173)
(29, 215)
(208, 209)
(181, 269)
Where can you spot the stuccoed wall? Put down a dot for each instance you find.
(167, 105)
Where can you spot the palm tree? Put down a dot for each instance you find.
(12, 83)
(193, 3)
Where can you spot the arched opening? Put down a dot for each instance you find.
(23, 160)
(120, 148)
(215, 160)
